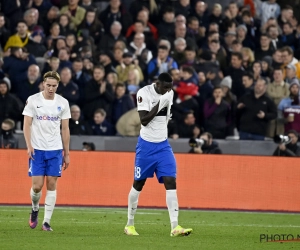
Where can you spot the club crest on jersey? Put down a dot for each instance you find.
(59, 108)
(140, 99)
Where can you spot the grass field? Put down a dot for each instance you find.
(102, 228)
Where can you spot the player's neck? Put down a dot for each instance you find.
(155, 88)
(47, 97)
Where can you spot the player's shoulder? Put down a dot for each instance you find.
(34, 97)
(144, 91)
(61, 99)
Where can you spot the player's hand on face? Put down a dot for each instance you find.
(66, 161)
(30, 152)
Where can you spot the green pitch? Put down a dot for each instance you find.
(99, 228)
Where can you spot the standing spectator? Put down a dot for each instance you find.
(290, 109)
(7, 139)
(20, 39)
(77, 125)
(217, 115)
(98, 94)
(9, 104)
(256, 69)
(248, 82)
(291, 73)
(138, 46)
(264, 49)
(167, 26)
(122, 103)
(4, 33)
(288, 58)
(273, 33)
(74, 12)
(100, 126)
(35, 45)
(115, 12)
(106, 58)
(67, 88)
(269, 9)
(288, 37)
(64, 58)
(255, 111)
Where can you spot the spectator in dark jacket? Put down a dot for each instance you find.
(98, 94)
(35, 44)
(77, 125)
(122, 103)
(7, 139)
(209, 147)
(67, 88)
(9, 104)
(255, 111)
(4, 33)
(291, 149)
(100, 126)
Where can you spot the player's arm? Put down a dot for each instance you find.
(147, 116)
(27, 135)
(65, 134)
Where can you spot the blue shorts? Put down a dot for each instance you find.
(153, 158)
(46, 163)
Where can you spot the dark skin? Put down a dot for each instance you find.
(146, 117)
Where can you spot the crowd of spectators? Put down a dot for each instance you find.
(235, 67)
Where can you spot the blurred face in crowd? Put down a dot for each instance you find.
(287, 14)
(118, 54)
(70, 41)
(200, 7)
(185, 75)
(30, 18)
(190, 55)
(73, 2)
(63, 55)
(37, 2)
(218, 93)
(131, 75)
(277, 57)
(120, 91)
(65, 76)
(217, 11)
(278, 75)
(290, 73)
(246, 19)
(77, 66)
(98, 118)
(143, 16)
(225, 90)
(189, 119)
(127, 60)
(139, 39)
(90, 17)
(169, 17)
(87, 64)
(180, 45)
(54, 64)
(287, 29)
(264, 66)
(184, 2)
(116, 29)
(294, 90)
(63, 20)
(180, 30)
(201, 77)
(247, 82)
(2, 21)
(213, 27)
(175, 75)
(273, 32)
(286, 57)
(194, 25)
(3, 88)
(115, 4)
(138, 27)
(75, 113)
(237, 47)
(241, 33)
(236, 62)
(98, 74)
(52, 13)
(264, 41)
(55, 30)
(214, 46)
(33, 73)
(293, 137)
(205, 137)
(233, 9)
(256, 68)
(22, 29)
(180, 19)
(229, 39)
(162, 54)
(60, 43)
(104, 59)
(260, 87)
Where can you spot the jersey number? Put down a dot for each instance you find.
(137, 172)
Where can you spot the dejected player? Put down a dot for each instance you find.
(44, 114)
(153, 151)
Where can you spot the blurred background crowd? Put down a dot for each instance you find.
(234, 63)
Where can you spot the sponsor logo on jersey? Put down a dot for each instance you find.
(47, 118)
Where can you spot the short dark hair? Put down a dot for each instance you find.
(120, 85)
(264, 34)
(21, 21)
(139, 21)
(246, 13)
(163, 47)
(169, 9)
(249, 75)
(209, 135)
(292, 131)
(78, 59)
(289, 24)
(165, 77)
(191, 19)
(186, 114)
(189, 48)
(217, 87)
(188, 69)
(238, 55)
(100, 111)
(99, 66)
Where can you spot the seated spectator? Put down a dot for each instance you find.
(138, 45)
(291, 74)
(112, 78)
(98, 94)
(273, 32)
(64, 58)
(291, 149)
(7, 138)
(31, 18)
(77, 125)
(243, 38)
(162, 63)
(248, 58)
(121, 104)
(74, 12)
(288, 37)
(217, 115)
(167, 26)
(205, 87)
(126, 65)
(88, 146)
(65, 26)
(52, 65)
(129, 124)
(28, 85)
(209, 147)
(20, 39)
(178, 52)
(256, 69)
(290, 109)
(264, 49)
(100, 126)
(67, 88)
(72, 45)
(288, 58)
(9, 105)
(255, 110)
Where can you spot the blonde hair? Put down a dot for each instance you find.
(137, 76)
(217, 6)
(153, 6)
(54, 59)
(250, 53)
(51, 74)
